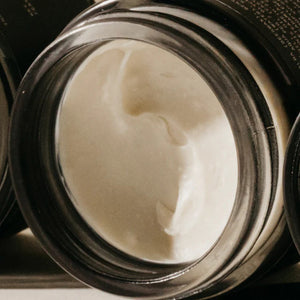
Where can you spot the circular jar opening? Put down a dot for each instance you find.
(47, 185)
(146, 152)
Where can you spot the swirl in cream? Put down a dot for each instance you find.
(147, 152)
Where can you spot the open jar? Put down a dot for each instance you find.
(237, 67)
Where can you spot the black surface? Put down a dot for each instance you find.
(14, 222)
(271, 292)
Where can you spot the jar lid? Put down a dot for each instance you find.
(292, 183)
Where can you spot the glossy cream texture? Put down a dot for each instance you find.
(147, 153)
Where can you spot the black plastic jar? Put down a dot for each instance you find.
(255, 77)
(11, 220)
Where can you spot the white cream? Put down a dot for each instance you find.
(147, 152)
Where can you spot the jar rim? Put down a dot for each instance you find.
(291, 183)
(252, 139)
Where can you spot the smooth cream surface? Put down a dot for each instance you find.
(147, 152)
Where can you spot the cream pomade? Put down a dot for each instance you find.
(147, 152)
